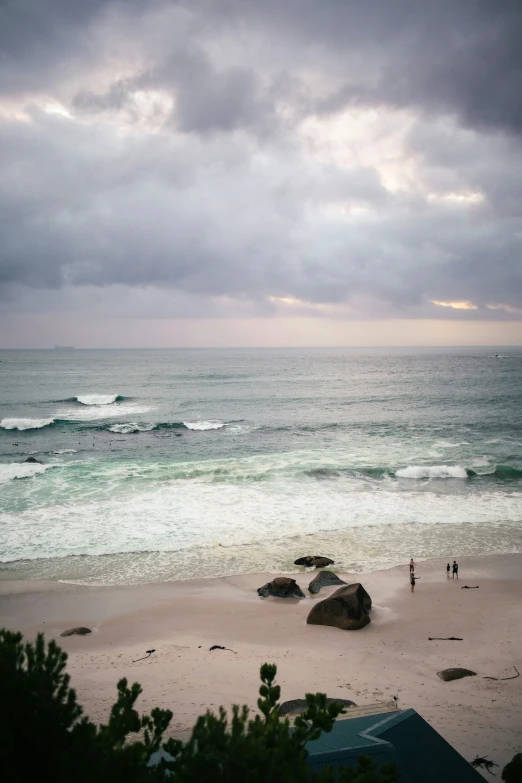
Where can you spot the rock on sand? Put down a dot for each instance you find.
(298, 706)
(324, 579)
(281, 587)
(455, 674)
(347, 608)
(316, 561)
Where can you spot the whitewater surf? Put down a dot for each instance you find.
(176, 464)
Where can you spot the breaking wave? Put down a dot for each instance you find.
(125, 429)
(199, 426)
(120, 428)
(17, 470)
(433, 471)
(498, 472)
(25, 424)
(98, 399)
(506, 472)
(130, 427)
(204, 425)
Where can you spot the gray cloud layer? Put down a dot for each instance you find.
(200, 155)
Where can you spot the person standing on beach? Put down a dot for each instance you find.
(413, 579)
(455, 570)
(447, 570)
(412, 566)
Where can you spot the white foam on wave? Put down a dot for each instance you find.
(242, 429)
(97, 399)
(204, 425)
(24, 424)
(17, 470)
(125, 429)
(269, 520)
(482, 462)
(432, 471)
(66, 451)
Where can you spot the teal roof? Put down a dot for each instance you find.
(346, 733)
(404, 738)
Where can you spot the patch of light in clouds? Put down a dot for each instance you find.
(455, 305)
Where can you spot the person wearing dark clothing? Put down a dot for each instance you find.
(447, 570)
(455, 570)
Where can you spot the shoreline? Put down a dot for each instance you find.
(24, 582)
(479, 564)
(391, 656)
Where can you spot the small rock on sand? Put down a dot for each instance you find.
(281, 587)
(80, 631)
(298, 706)
(455, 674)
(311, 561)
(324, 579)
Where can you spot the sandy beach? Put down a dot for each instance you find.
(390, 657)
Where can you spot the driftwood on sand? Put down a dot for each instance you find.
(483, 761)
(149, 653)
(500, 679)
(445, 639)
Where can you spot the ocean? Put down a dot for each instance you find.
(171, 464)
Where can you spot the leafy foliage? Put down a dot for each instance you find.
(512, 772)
(43, 734)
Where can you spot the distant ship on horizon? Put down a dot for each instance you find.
(64, 347)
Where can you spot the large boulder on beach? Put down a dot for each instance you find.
(298, 706)
(324, 579)
(79, 631)
(455, 674)
(314, 561)
(281, 587)
(348, 608)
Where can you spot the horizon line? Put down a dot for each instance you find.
(250, 347)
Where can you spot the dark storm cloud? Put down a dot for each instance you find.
(464, 58)
(41, 38)
(219, 194)
(206, 100)
(94, 211)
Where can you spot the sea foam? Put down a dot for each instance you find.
(25, 424)
(432, 471)
(204, 425)
(191, 518)
(125, 429)
(17, 470)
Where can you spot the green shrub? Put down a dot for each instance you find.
(43, 735)
(512, 772)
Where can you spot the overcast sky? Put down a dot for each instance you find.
(258, 172)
